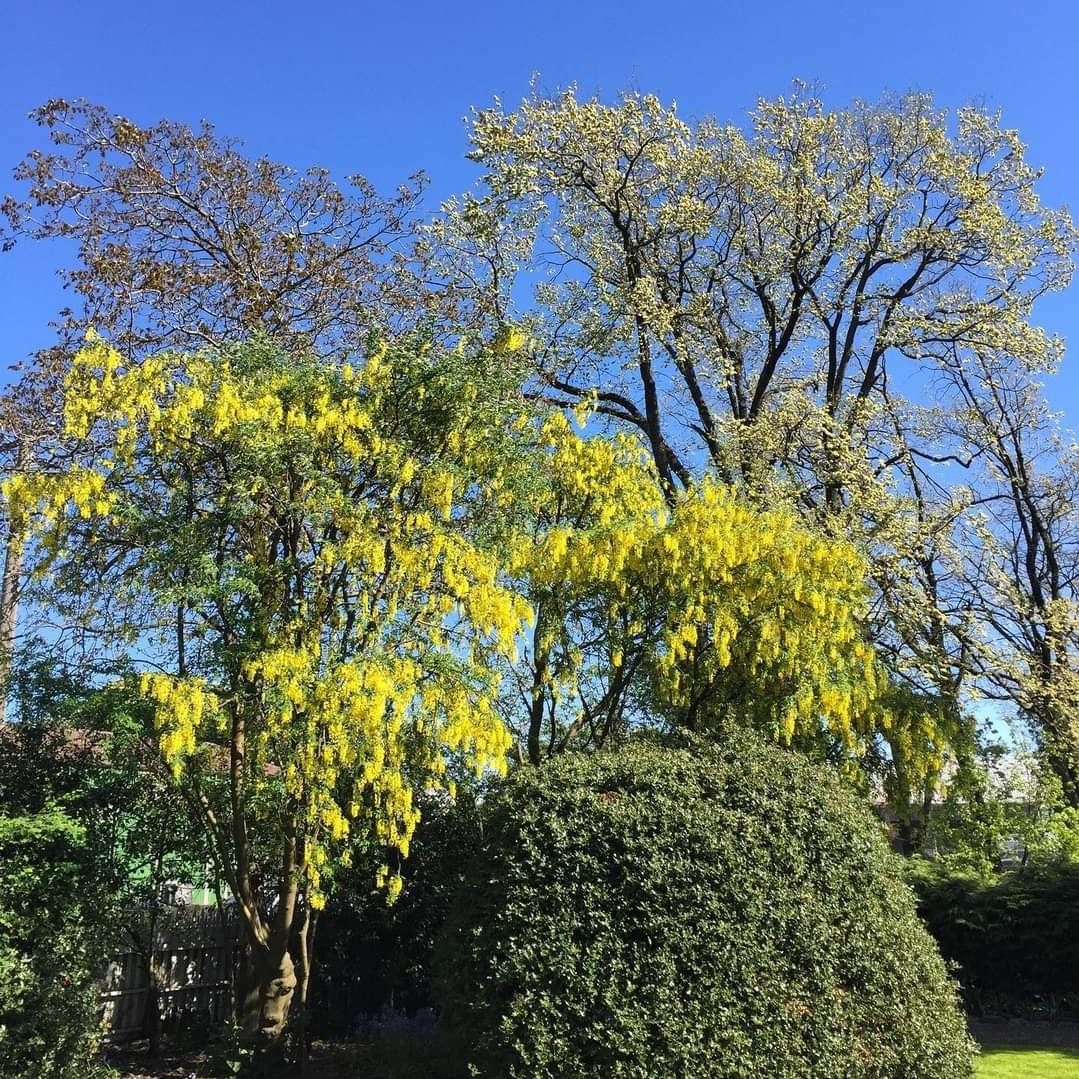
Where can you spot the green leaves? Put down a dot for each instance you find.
(1014, 937)
(689, 909)
(50, 946)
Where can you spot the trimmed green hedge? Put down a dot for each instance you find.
(692, 911)
(1014, 938)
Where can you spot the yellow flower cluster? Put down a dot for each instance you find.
(48, 497)
(749, 605)
(782, 600)
(183, 705)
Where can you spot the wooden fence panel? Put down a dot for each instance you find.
(194, 956)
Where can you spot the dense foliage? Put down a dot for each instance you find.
(80, 775)
(697, 610)
(698, 910)
(51, 948)
(1014, 938)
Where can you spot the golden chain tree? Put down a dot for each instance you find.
(699, 613)
(330, 571)
(284, 538)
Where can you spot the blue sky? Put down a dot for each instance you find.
(383, 89)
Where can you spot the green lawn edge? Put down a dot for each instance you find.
(1027, 1062)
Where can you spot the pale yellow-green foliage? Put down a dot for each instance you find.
(927, 737)
(350, 627)
(784, 305)
(879, 210)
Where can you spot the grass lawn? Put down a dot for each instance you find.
(1008, 1062)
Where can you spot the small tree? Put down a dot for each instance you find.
(287, 540)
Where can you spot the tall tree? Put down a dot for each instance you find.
(1021, 552)
(772, 307)
(183, 241)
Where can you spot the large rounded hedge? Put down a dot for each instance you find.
(692, 910)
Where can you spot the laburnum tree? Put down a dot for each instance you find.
(773, 307)
(699, 614)
(283, 541)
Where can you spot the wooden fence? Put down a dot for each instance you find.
(193, 954)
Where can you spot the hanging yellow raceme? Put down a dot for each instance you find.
(739, 613)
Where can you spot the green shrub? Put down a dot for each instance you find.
(692, 911)
(50, 950)
(1014, 938)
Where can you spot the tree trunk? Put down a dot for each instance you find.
(1062, 750)
(9, 593)
(305, 939)
(271, 987)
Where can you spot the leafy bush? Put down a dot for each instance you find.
(1014, 937)
(692, 910)
(1003, 805)
(49, 950)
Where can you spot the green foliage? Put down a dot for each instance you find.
(87, 757)
(39, 764)
(1014, 938)
(49, 951)
(92, 752)
(692, 910)
(137, 815)
(374, 957)
(1002, 805)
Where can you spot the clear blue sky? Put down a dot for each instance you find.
(383, 89)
